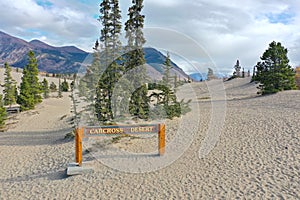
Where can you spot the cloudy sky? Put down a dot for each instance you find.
(198, 33)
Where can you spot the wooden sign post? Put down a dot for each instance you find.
(78, 145)
(117, 130)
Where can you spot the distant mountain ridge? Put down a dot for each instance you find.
(50, 59)
(156, 59)
(66, 59)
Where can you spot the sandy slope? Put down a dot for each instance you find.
(256, 155)
(51, 114)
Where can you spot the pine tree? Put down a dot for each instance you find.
(59, 95)
(166, 76)
(210, 74)
(116, 27)
(166, 80)
(9, 87)
(170, 104)
(176, 83)
(16, 92)
(274, 72)
(32, 67)
(2, 113)
(25, 98)
(105, 9)
(88, 83)
(45, 88)
(237, 68)
(135, 61)
(112, 70)
(64, 86)
(53, 87)
(30, 88)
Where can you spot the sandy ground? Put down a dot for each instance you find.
(51, 114)
(250, 152)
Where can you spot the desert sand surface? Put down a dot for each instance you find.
(237, 146)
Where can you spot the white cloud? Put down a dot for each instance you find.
(166, 3)
(226, 30)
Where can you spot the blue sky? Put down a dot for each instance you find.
(203, 33)
(284, 17)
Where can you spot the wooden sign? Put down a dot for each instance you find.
(112, 130)
(118, 130)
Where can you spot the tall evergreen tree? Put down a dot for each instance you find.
(111, 71)
(26, 98)
(35, 87)
(45, 88)
(88, 83)
(2, 113)
(9, 87)
(171, 106)
(237, 68)
(16, 93)
(30, 88)
(59, 95)
(274, 72)
(166, 79)
(105, 9)
(135, 60)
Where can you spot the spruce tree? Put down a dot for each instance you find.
(16, 92)
(176, 83)
(210, 74)
(105, 9)
(45, 88)
(135, 60)
(53, 87)
(64, 86)
(237, 68)
(111, 71)
(59, 95)
(32, 67)
(88, 83)
(171, 106)
(166, 79)
(30, 88)
(26, 98)
(9, 87)
(2, 113)
(274, 72)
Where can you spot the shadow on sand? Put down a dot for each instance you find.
(34, 138)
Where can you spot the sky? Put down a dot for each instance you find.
(198, 33)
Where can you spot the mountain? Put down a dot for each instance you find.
(50, 59)
(67, 59)
(156, 59)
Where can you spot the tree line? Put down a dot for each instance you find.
(116, 83)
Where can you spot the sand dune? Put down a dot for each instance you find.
(256, 155)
